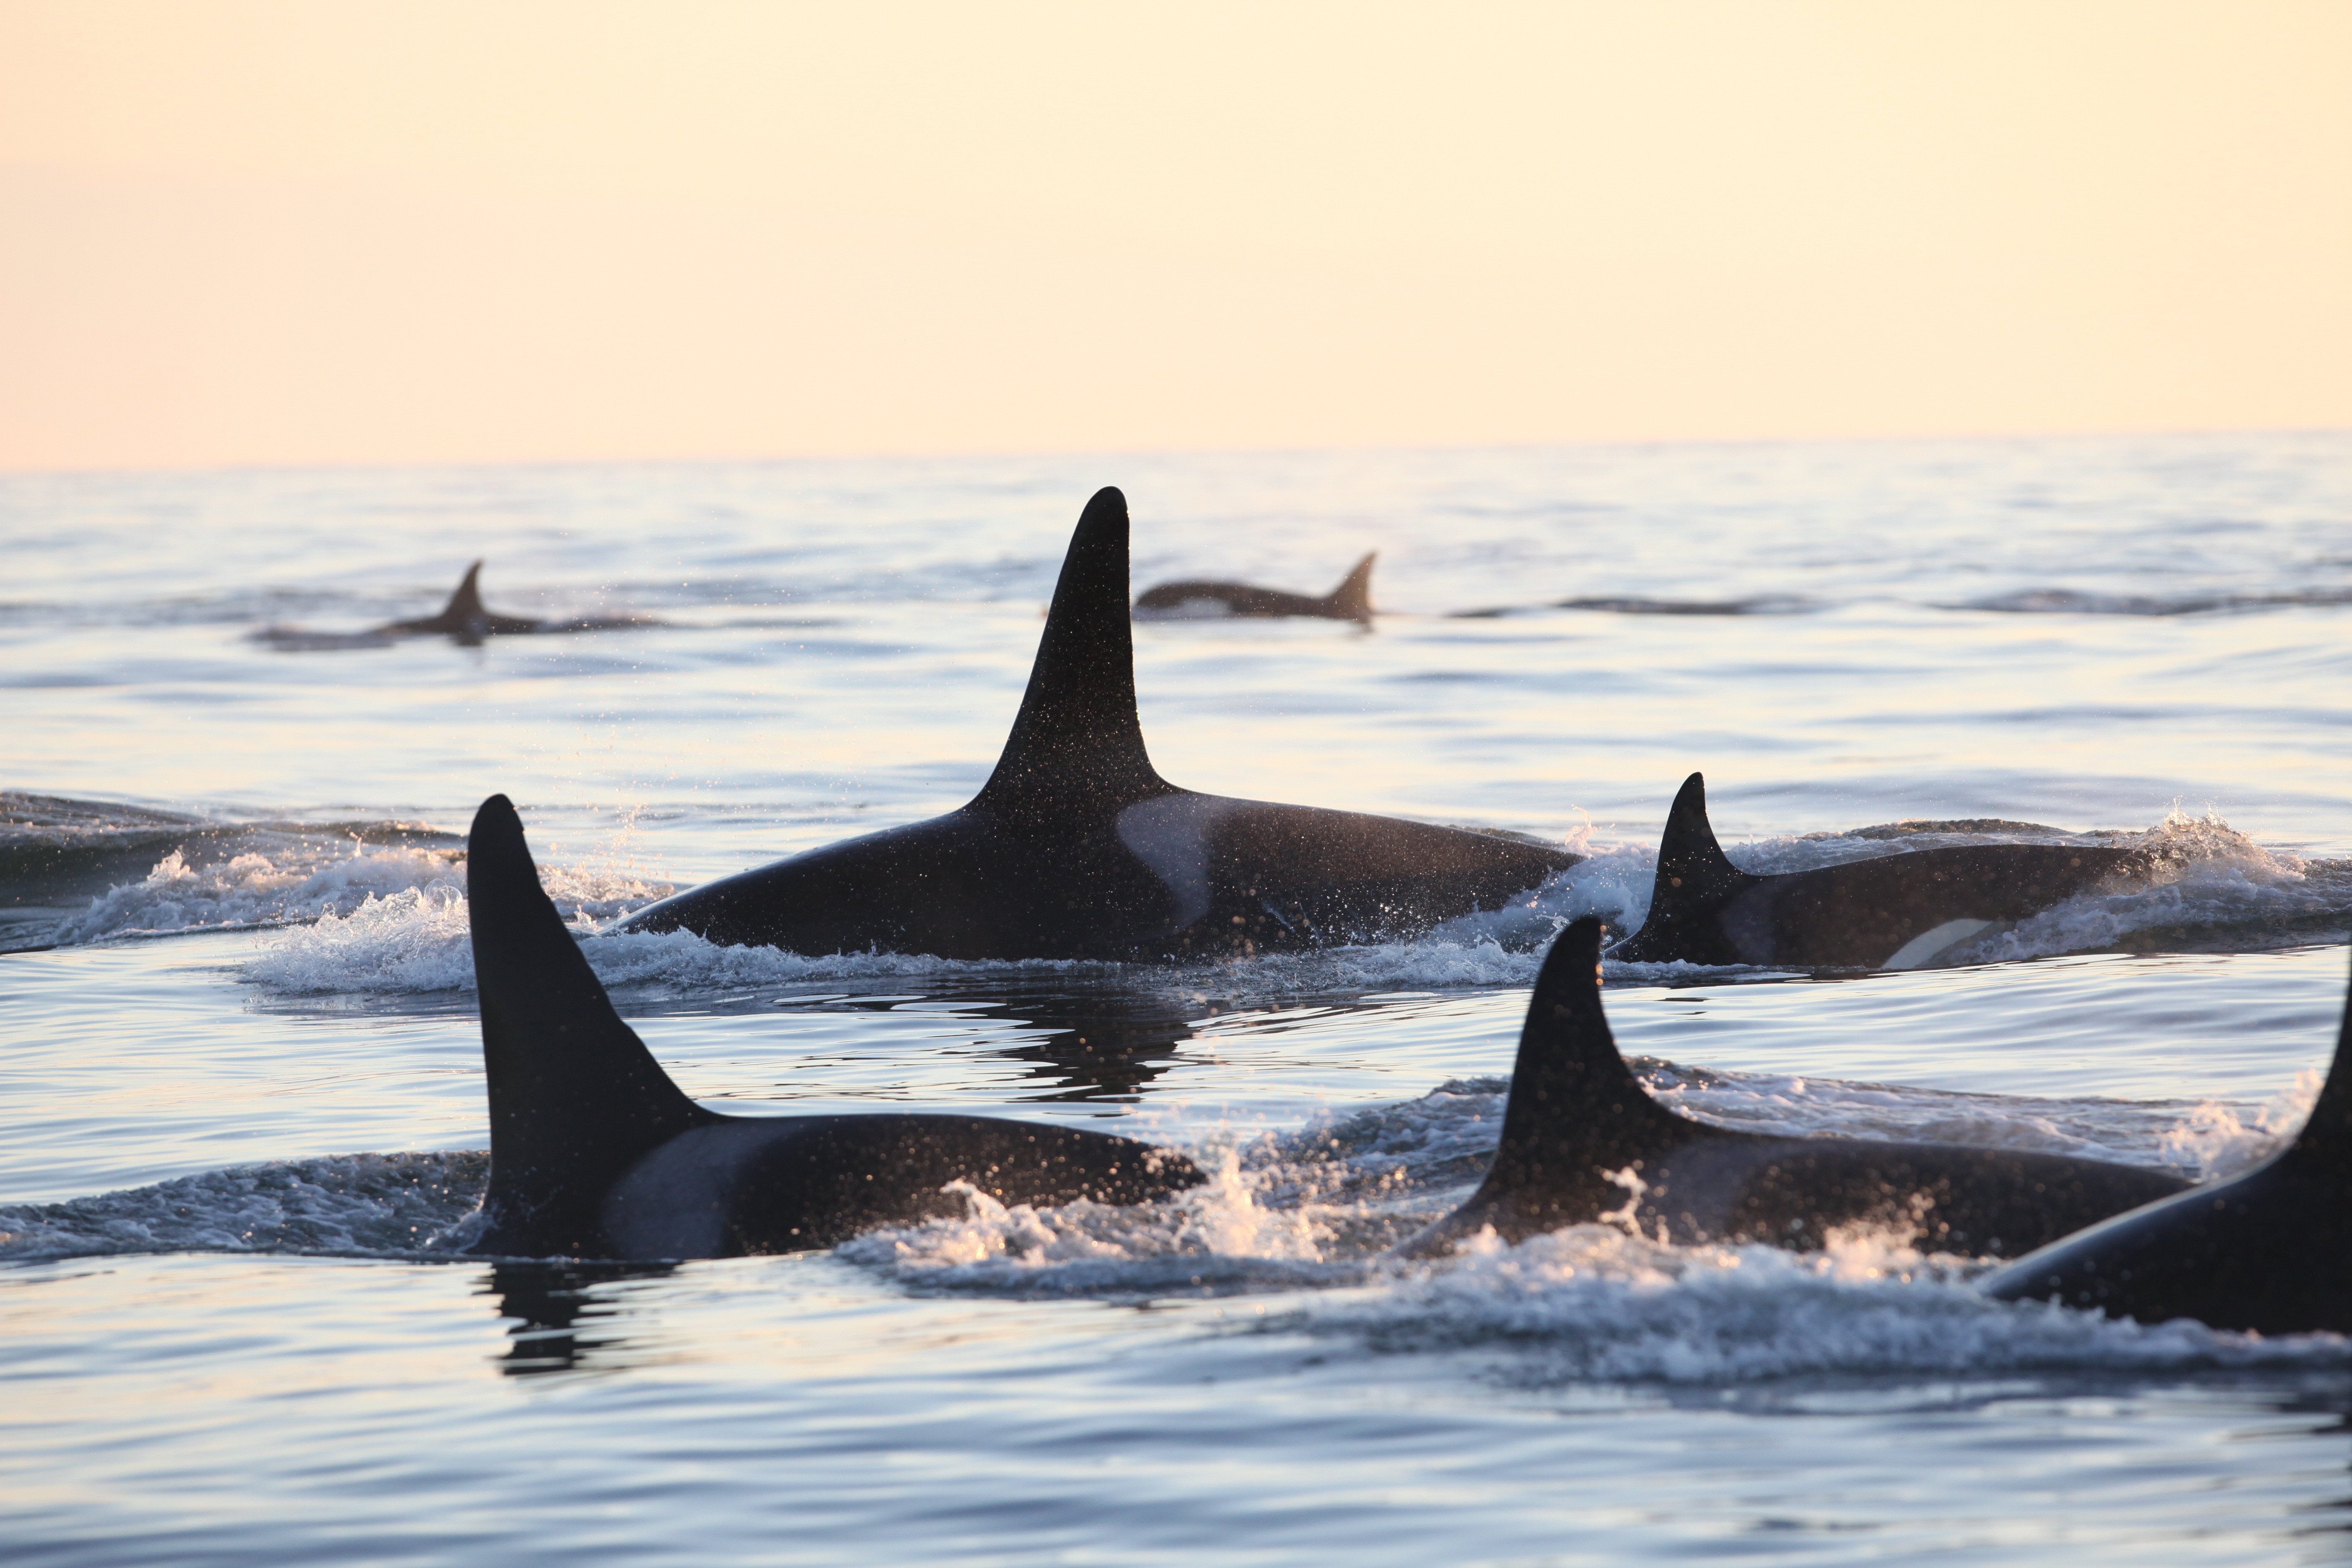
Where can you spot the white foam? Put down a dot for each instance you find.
(253, 890)
(394, 920)
(1593, 1304)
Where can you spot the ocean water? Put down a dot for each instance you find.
(240, 1097)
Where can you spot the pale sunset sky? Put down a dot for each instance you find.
(236, 231)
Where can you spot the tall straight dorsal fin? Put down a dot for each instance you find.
(1353, 597)
(465, 604)
(574, 1095)
(1575, 1109)
(2324, 1147)
(1077, 738)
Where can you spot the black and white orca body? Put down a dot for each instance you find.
(595, 1153)
(2268, 1252)
(1075, 847)
(468, 621)
(1897, 911)
(1200, 598)
(1584, 1142)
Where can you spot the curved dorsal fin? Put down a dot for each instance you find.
(2324, 1147)
(1575, 1109)
(574, 1095)
(1694, 881)
(465, 604)
(1353, 597)
(1077, 738)
(1690, 861)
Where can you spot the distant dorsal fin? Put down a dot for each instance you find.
(574, 1095)
(1353, 597)
(1575, 1109)
(1077, 738)
(2324, 1147)
(1694, 882)
(465, 604)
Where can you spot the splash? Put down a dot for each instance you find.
(253, 890)
(1593, 1304)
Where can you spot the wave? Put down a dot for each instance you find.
(1302, 1217)
(1635, 605)
(353, 1204)
(2072, 602)
(203, 874)
(1328, 1195)
(2213, 889)
(379, 907)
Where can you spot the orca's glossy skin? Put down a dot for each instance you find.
(1201, 598)
(2268, 1252)
(595, 1153)
(1075, 847)
(1583, 1140)
(465, 619)
(1897, 911)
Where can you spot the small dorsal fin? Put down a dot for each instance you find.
(2324, 1147)
(1575, 1109)
(1695, 879)
(1077, 737)
(1688, 855)
(1353, 597)
(574, 1095)
(465, 604)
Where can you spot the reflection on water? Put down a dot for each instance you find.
(848, 644)
(563, 1313)
(1091, 1046)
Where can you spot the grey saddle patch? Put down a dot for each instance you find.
(677, 1201)
(1172, 836)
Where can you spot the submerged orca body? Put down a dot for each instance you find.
(1075, 847)
(595, 1153)
(1200, 598)
(1583, 1140)
(1893, 912)
(466, 618)
(2268, 1251)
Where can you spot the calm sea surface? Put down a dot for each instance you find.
(240, 1092)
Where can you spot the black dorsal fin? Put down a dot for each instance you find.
(1695, 879)
(1353, 597)
(2324, 1147)
(466, 604)
(575, 1097)
(1575, 1109)
(1077, 738)
(1689, 859)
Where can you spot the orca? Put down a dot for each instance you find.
(596, 1153)
(1193, 598)
(1076, 847)
(1897, 911)
(1583, 1141)
(2268, 1251)
(469, 622)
